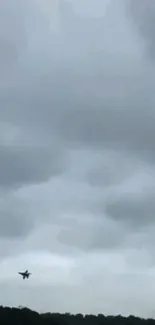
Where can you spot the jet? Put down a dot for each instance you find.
(25, 274)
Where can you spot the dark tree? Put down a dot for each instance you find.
(25, 316)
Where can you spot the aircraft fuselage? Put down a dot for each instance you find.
(25, 274)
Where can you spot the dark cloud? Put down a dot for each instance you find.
(91, 102)
(15, 219)
(136, 211)
(143, 15)
(66, 111)
(119, 124)
(13, 37)
(13, 225)
(21, 165)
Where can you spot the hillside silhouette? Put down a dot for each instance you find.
(25, 316)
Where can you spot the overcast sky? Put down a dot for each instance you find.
(77, 136)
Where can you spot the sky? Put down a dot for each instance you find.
(77, 175)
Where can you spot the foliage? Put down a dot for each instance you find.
(23, 316)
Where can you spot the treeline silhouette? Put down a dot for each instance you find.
(25, 316)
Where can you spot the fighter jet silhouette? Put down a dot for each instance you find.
(25, 274)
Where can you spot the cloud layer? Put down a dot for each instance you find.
(77, 155)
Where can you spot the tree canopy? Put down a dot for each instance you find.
(24, 316)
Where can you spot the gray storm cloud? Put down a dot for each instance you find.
(21, 165)
(16, 219)
(72, 100)
(143, 15)
(88, 102)
(137, 212)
